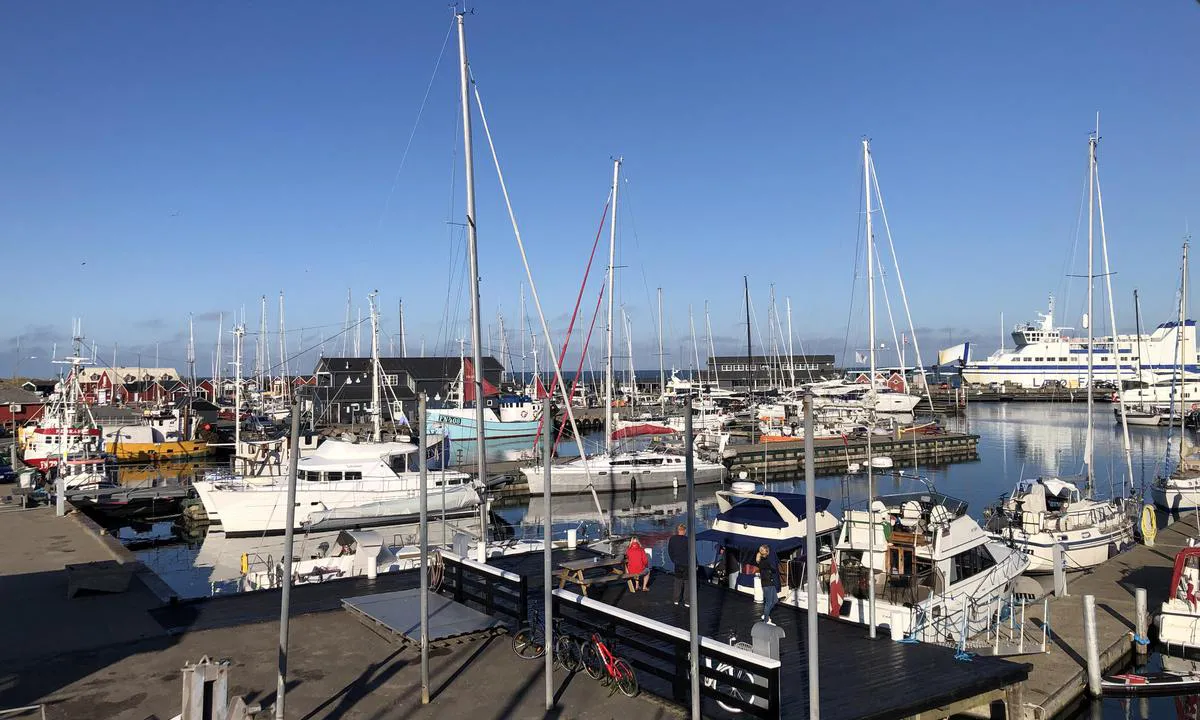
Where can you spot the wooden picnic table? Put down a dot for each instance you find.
(577, 571)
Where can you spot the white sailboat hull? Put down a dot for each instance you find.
(1084, 547)
(1175, 494)
(606, 477)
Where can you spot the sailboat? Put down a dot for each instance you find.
(1180, 490)
(1140, 411)
(1046, 512)
(619, 469)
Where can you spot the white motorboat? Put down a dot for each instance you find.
(1180, 490)
(340, 478)
(936, 573)
(1045, 512)
(1178, 622)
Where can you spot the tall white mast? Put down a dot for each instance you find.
(712, 351)
(346, 325)
(1087, 447)
(662, 371)
(791, 350)
(871, 392)
(473, 252)
(358, 335)
(239, 331)
(403, 340)
(264, 353)
(612, 257)
(629, 349)
(1180, 333)
(218, 371)
(376, 411)
(284, 373)
(191, 357)
(524, 329)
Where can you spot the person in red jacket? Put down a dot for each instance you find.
(637, 563)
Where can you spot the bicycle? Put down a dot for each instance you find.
(739, 674)
(529, 642)
(601, 664)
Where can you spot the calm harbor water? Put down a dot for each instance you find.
(1016, 440)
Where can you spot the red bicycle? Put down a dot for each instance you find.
(601, 664)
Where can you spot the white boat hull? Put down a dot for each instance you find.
(252, 510)
(1175, 494)
(572, 477)
(1084, 548)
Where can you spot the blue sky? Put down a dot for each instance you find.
(166, 159)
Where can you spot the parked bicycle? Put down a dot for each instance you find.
(603, 665)
(725, 689)
(529, 642)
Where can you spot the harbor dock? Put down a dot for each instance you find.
(1058, 678)
(786, 458)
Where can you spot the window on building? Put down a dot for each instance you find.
(390, 379)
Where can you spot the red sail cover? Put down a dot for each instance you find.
(641, 429)
(489, 390)
(540, 389)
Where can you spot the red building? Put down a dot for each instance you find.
(18, 404)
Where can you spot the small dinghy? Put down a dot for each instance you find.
(1150, 683)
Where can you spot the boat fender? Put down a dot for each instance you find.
(1149, 524)
(245, 564)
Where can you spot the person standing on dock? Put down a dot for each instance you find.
(677, 551)
(768, 575)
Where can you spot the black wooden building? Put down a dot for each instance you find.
(738, 371)
(342, 394)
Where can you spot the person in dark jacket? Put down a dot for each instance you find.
(768, 575)
(677, 551)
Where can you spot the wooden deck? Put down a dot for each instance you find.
(786, 458)
(860, 677)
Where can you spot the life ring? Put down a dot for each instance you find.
(1195, 406)
(524, 414)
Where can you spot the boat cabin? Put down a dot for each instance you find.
(748, 520)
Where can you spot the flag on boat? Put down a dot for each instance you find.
(539, 389)
(836, 593)
(641, 429)
(489, 390)
(959, 354)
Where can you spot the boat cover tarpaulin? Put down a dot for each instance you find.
(748, 542)
(641, 429)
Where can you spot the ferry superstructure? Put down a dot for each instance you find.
(1044, 354)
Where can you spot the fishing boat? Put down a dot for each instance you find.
(505, 415)
(161, 435)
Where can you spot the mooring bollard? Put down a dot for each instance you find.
(1060, 571)
(1092, 644)
(1141, 637)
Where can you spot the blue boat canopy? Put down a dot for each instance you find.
(761, 513)
(748, 542)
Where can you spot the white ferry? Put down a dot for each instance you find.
(1044, 354)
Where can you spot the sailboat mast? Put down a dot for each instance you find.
(284, 373)
(1180, 333)
(712, 352)
(376, 412)
(191, 357)
(403, 340)
(871, 392)
(662, 372)
(473, 250)
(239, 332)
(1137, 325)
(791, 350)
(1087, 448)
(612, 258)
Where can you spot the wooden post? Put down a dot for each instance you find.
(1141, 643)
(1092, 644)
(1014, 702)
